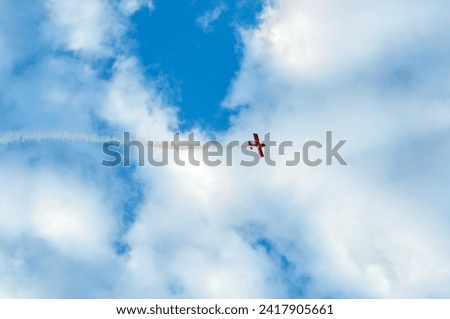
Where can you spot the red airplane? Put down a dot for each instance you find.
(257, 144)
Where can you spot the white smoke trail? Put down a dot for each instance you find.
(27, 137)
(24, 137)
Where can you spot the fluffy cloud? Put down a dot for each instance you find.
(67, 212)
(59, 224)
(87, 28)
(57, 232)
(311, 67)
(132, 104)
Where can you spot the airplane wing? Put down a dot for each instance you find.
(260, 152)
(256, 137)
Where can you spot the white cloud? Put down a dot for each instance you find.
(129, 7)
(316, 66)
(206, 20)
(187, 242)
(72, 217)
(325, 41)
(53, 101)
(134, 105)
(85, 27)
(57, 223)
(68, 213)
(57, 231)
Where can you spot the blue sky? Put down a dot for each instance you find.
(376, 74)
(195, 62)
